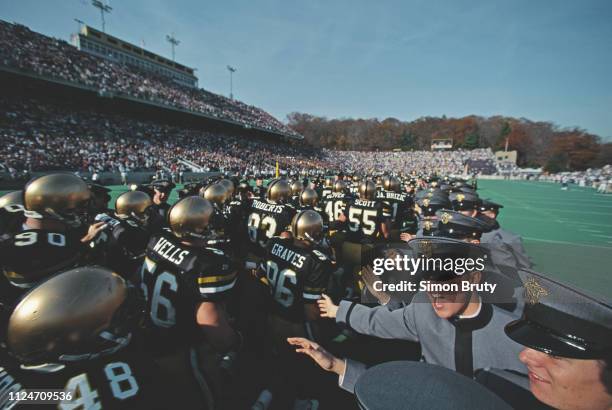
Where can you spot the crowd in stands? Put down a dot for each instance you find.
(28, 51)
(38, 135)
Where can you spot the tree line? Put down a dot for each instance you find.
(538, 143)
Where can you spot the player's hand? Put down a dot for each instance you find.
(322, 357)
(405, 236)
(342, 218)
(93, 231)
(327, 307)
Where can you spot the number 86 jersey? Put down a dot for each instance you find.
(295, 276)
(175, 278)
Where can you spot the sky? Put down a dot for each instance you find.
(545, 60)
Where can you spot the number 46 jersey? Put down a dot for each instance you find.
(175, 279)
(295, 276)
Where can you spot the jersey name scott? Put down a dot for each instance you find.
(170, 252)
(362, 202)
(290, 256)
(277, 209)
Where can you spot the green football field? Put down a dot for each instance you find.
(568, 234)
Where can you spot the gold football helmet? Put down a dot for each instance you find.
(329, 182)
(229, 187)
(307, 226)
(296, 188)
(12, 198)
(190, 218)
(279, 191)
(64, 197)
(341, 186)
(309, 197)
(216, 193)
(392, 184)
(367, 190)
(134, 204)
(78, 314)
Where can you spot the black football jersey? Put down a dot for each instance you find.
(236, 213)
(334, 205)
(401, 208)
(364, 219)
(119, 381)
(28, 256)
(124, 243)
(266, 220)
(295, 276)
(175, 279)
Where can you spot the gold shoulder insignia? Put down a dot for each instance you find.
(460, 197)
(534, 291)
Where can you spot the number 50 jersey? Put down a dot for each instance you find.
(175, 279)
(295, 276)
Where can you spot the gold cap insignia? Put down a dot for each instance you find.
(460, 197)
(445, 217)
(427, 225)
(534, 291)
(426, 248)
(426, 202)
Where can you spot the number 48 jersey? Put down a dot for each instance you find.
(121, 381)
(295, 276)
(175, 279)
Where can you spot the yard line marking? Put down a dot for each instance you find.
(589, 230)
(529, 238)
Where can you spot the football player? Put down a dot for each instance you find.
(186, 284)
(49, 233)
(297, 271)
(270, 217)
(76, 340)
(401, 205)
(12, 198)
(335, 203)
(296, 190)
(126, 237)
(308, 199)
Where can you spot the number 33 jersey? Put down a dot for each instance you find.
(175, 278)
(295, 276)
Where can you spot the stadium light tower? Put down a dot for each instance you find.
(104, 8)
(231, 70)
(173, 42)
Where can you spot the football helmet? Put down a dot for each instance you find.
(216, 193)
(329, 182)
(229, 187)
(134, 204)
(12, 198)
(190, 218)
(296, 188)
(367, 190)
(309, 197)
(79, 314)
(341, 186)
(279, 191)
(307, 226)
(392, 184)
(64, 197)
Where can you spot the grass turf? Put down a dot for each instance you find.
(568, 234)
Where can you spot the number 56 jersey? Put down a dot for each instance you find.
(175, 278)
(295, 276)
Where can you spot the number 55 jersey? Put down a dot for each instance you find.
(295, 276)
(175, 278)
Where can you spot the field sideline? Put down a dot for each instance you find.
(568, 234)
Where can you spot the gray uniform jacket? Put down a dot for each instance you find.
(464, 345)
(513, 242)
